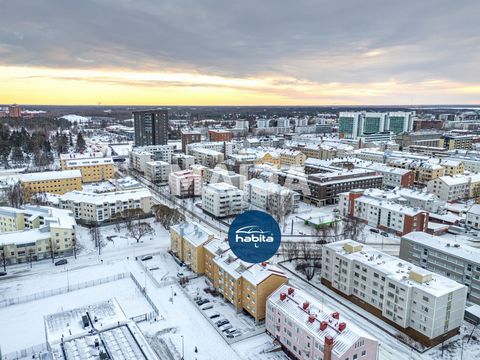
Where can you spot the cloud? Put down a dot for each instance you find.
(297, 42)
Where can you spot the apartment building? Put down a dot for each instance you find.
(219, 174)
(452, 167)
(97, 208)
(317, 151)
(92, 169)
(292, 157)
(450, 188)
(55, 182)
(419, 138)
(426, 306)
(423, 171)
(190, 137)
(185, 184)
(78, 156)
(307, 328)
(268, 196)
(246, 286)
(268, 158)
(182, 161)
(151, 127)
(382, 213)
(473, 217)
(457, 261)
(157, 171)
(139, 156)
(35, 233)
(187, 242)
(458, 142)
(222, 200)
(392, 177)
(219, 135)
(207, 157)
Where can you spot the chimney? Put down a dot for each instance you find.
(328, 346)
(342, 326)
(336, 315)
(311, 319)
(305, 305)
(323, 325)
(283, 296)
(290, 291)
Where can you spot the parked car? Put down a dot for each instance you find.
(375, 230)
(180, 274)
(227, 327)
(207, 307)
(61, 262)
(384, 233)
(221, 322)
(147, 257)
(214, 315)
(3, 273)
(201, 302)
(230, 331)
(234, 334)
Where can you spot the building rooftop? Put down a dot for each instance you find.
(455, 248)
(50, 175)
(89, 162)
(106, 197)
(292, 305)
(193, 233)
(395, 268)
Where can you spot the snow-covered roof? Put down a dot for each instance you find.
(396, 268)
(206, 151)
(106, 197)
(50, 175)
(474, 210)
(221, 187)
(292, 306)
(85, 155)
(194, 233)
(389, 205)
(450, 246)
(454, 180)
(89, 162)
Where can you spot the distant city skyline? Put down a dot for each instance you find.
(272, 52)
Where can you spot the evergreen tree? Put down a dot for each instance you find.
(81, 144)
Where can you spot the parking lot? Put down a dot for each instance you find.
(222, 315)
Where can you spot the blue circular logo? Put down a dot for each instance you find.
(254, 236)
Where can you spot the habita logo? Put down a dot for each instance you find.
(254, 236)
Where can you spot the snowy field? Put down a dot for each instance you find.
(21, 326)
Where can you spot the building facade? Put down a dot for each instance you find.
(55, 182)
(222, 200)
(92, 169)
(157, 171)
(185, 184)
(307, 329)
(151, 127)
(427, 306)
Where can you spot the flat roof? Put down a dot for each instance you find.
(50, 175)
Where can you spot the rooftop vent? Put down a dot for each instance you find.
(336, 315)
(283, 296)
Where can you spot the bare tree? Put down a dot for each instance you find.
(352, 228)
(280, 204)
(167, 216)
(290, 250)
(139, 229)
(15, 195)
(310, 259)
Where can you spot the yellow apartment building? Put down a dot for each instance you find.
(92, 169)
(246, 286)
(292, 157)
(453, 167)
(186, 242)
(271, 158)
(43, 232)
(55, 182)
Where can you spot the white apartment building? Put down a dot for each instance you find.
(473, 217)
(157, 171)
(96, 208)
(308, 328)
(267, 195)
(220, 174)
(139, 156)
(182, 161)
(450, 188)
(207, 157)
(408, 296)
(222, 199)
(185, 184)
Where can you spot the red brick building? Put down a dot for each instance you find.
(220, 135)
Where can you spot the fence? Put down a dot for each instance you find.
(142, 290)
(24, 353)
(62, 290)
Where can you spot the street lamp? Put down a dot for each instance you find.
(183, 348)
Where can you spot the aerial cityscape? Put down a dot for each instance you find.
(264, 180)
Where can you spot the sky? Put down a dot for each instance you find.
(248, 52)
